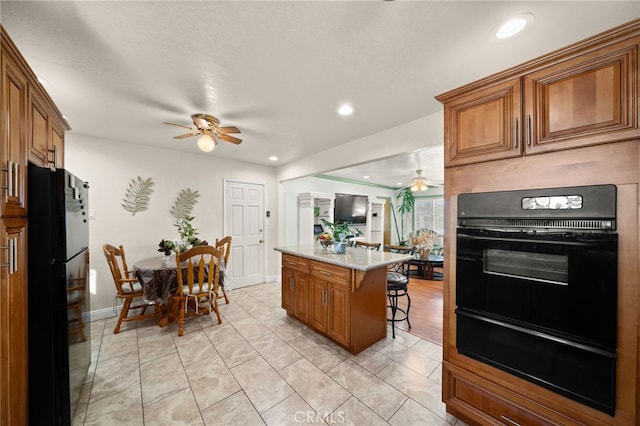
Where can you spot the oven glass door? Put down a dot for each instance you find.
(563, 284)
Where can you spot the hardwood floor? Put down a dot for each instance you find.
(426, 309)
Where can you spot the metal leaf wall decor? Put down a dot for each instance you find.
(184, 203)
(138, 193)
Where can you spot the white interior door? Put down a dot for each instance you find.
(244, 213)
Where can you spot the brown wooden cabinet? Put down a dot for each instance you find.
(295, 286)
(30, 128)
(569, 118)
(330, 301)
(13, 321)
(13, 160)
(46, 138)
(579, 96)
(345, 304)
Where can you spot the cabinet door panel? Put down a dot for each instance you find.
(339, 325)
(301, 296)
(287, 289)
(13, 161)
(483, 125)
(318, 307)
(584, 101)
(13, 320)
(57, 145)
(39, 140)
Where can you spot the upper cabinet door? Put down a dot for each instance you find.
(40, 134)
(483, 124)
(586, 100)
(13, 126)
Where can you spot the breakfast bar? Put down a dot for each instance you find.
(342, 296)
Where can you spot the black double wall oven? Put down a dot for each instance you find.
(536, 287)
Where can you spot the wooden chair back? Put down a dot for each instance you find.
(224, 244)
(122, 277)
(199, 270)
(368, 246)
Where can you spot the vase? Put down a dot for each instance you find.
(424, 253)
(340, 247)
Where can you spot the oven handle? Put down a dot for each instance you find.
(537, 334)
(520, 277)
(520, 240)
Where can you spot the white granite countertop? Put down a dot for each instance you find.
(354, 258)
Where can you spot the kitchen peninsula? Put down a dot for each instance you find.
(342, 296)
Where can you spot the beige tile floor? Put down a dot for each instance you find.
(256, 368)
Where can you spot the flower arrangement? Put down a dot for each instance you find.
(188, 237)
(424, 239)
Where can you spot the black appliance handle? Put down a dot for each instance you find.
(535, 333)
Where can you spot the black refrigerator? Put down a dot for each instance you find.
(58, 259)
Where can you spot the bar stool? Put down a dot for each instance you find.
(398, 286)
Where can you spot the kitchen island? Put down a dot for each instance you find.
(342, 296)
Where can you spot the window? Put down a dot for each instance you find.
(429, 214)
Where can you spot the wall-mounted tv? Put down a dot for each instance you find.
(350, 208)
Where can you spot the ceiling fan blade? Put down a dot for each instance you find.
(228, 129)
(229, 138)
(178, 125)
(188, 135)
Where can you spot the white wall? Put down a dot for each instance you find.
(109, 166)
(291, 189)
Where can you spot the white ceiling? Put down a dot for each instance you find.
(278, 70)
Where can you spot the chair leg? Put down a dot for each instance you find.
(214, 306)
(406, 292)
(181, 309)
(393, 303)
(224, 292)
(124, 312)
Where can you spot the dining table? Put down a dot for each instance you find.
(158, 276)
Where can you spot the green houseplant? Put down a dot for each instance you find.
(406, 205)
(338, 233)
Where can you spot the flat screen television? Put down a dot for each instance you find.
(350, 208)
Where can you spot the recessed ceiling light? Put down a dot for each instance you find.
(273, 158)
(365, 177)
(514, 25)
(398, 183)
(345, 109)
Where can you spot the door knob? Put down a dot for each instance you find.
(261, 241)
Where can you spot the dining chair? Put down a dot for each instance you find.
(224, 244)
(198, 279)
(368, 246)
(398, 286)
(128, 288)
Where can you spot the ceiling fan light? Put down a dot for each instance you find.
(206, 143)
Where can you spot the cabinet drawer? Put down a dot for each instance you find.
(485, 406)
(296, 263)
(336, 274)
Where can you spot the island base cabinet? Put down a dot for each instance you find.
(346, 305)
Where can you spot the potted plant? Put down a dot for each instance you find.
(407, 204)
(338, 233)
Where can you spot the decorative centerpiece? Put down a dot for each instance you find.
(188, 238)
(423, 241)
(337, 236)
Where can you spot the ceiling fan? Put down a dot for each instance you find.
(419, 183)
(207, 127)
